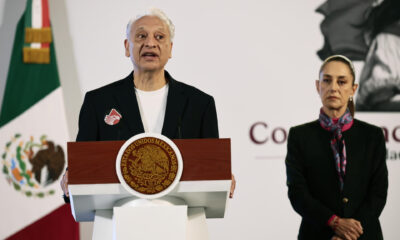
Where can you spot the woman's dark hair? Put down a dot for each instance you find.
(382, 16)
(345, 60)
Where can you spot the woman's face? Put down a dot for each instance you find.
(335, 86)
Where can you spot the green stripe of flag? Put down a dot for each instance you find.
(28, 18)
(26, 83)
(28, 14)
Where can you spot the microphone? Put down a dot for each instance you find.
(179, 128)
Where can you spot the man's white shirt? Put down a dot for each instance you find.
(152, 105)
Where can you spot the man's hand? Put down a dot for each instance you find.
(348, 228)
(233, 186)
(64, 183)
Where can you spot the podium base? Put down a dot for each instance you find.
(196, 225)
(164, 218)
(103, 225)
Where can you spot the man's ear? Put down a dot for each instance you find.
(170, 52)
(126, 44)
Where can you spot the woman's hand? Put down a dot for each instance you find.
(348, 228)
(336, 238)
(64, 183)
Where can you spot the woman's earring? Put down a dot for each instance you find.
(351, 98)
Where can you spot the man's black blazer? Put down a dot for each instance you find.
(190, 113)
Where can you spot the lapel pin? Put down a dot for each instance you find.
(113, 117)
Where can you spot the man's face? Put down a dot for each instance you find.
(149, 45)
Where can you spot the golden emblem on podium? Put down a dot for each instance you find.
(148, 165)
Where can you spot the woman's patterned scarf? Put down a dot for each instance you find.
(337, 142)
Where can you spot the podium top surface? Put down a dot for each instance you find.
(94, 162)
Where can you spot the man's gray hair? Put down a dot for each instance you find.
(156, 12)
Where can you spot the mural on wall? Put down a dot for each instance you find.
(368, 31)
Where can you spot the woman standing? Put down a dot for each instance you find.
(336, 166)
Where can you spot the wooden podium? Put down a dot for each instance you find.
(203, 189)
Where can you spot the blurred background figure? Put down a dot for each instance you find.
(367, 30)
(380, 77)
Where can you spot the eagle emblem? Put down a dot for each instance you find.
(149, 165)
(32, 166)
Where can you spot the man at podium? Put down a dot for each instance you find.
(149, 99)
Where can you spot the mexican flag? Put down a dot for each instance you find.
(33, 136)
